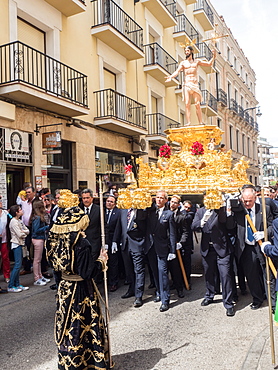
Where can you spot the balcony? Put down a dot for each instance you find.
(31, 77)
(222, 97)
(240, 111)
(157, 124)
(163, 10)
(185, 32)
(203, 13)
(208, 104)
(68, 7)
(159, 64)
(119, 113)
(189, 2)
(117, 29)
(204, 53)
(233, 106)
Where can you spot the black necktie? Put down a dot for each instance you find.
(108, 215)
(87, 211)
(157, 214)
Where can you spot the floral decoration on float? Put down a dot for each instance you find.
(165, 153)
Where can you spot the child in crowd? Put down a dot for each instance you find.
(39, 228)
(18, 234)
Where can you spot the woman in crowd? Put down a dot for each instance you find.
(18, 234)
(6, 268)
(39, 228)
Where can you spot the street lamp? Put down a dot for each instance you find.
(258, 114)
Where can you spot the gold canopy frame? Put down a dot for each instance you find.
(211, 173)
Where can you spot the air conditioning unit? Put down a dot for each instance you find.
(140, 145)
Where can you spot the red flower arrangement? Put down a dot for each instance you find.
(197, 148)
(165, 151)
(128, 169)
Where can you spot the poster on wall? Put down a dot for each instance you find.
(16, 144)
(3, 185)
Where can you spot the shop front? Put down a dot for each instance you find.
(16, 163)
(110, 166)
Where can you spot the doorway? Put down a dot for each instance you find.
(15, 179)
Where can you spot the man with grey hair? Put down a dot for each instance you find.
(247, 249)
(93, 233)
(161, 246)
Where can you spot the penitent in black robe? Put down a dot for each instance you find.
(79, 325)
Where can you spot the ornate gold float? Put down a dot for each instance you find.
(197, 166)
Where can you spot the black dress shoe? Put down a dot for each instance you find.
(255, 306)
(127, 295)
(47, 275)
(157, 299)
(180, 294)
(230, 312)
(206, 302)
(138, 302)
(53, 287)
(164, 307)
(113, 288)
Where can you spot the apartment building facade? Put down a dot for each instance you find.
(82, 87)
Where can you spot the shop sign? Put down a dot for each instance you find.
(16, 144)
(51, 142)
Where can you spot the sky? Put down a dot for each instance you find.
(254, 23)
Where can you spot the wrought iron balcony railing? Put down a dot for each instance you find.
(246, 116)
(170, 5)
(155, 54)
(233, 106)
(157, 123)
(222, 96)
(240, 111)
(205, 51)
(251, 121)
(256, 126)
(108, 12)
(111, 104)
(202, 4)
(184, 25)
(23, 64)
(209, 99)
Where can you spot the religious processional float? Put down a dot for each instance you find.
(192, 163)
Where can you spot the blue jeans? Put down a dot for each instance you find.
(14, 279)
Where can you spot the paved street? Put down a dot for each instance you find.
(187, 336)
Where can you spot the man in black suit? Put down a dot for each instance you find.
(131, 233)
(216, 253)
(247, 249)
(93, 231)
(161, 246)
(112, 214)
(181, 236)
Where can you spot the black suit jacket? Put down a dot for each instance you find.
(214, 231)
(238, 220)
(93, 231)
(111, 226)
(132, 236)
(182, 227)
(161, 233)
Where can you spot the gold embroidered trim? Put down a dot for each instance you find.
(67, 228)
(103, 264)
(71, 277)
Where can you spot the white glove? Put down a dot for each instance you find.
(106, 247)
(206, 216)
(114, 248)
(263, 245)
(178, 246)
(171, 256)
(258, 235)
